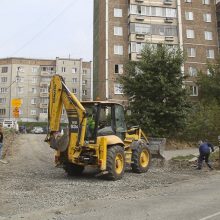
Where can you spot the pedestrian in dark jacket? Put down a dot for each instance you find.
(1, 142)
(204, 153)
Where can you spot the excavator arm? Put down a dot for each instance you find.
(59, 97)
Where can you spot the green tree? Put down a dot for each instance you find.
(153, 85)
(209, 85)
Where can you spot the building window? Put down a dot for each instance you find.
(190, 33)
(207, 17)
(188, 1)
(33, 112)
(191, 52)
(34, 80)
(210, 53)
(208, 35)
(34, 90)
(189, 15)
(20, 90)
(43, 110)
(74, 90)
(63, 69)
(34, 69)
(192, 71)
(3, 90)
(44, 100)
(118, 49)
(84, 72)
(208, 72)
(4, 69)
(84, 92)
(118, 31)
(74, 80)
(2, 100)
(34, 101)
(4, 79)
(74, 70)
(193, 90)
(118, 68)
(2, 111)
(206, 2)
(118, 89)
(84, 82)
(117, 12)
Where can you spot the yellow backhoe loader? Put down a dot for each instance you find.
(96, 136)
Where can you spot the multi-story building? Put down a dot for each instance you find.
(29, 79)
(122, 27)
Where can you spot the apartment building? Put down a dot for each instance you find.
(29, 79)
(122, 27)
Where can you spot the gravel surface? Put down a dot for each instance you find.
(30, 182)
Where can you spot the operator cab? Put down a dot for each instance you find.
(103, 119)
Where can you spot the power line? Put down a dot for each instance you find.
(44, 28)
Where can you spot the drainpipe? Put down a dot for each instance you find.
(106, 51)
(180, 28)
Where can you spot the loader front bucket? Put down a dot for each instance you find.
(157, 147)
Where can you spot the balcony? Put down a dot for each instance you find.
(169, 38)
(43, 105)
(46, 73)
(168, 2)
(44, 84)
(168, 20)
(140, 36)
(44, 94)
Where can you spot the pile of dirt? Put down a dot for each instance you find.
(9, 137)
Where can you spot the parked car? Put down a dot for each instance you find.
(37, 130)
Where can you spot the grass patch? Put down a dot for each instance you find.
(183, 158)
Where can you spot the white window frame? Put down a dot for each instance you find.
(3, 90)
(84, 92)
(34, 80)
(191, 52)
(118, 31)
(34, 90)
(192, 71)
(208, 35)
(118, 49)
(206, 2)
(190, 34)
(117, 12)
(4, 79)
(34, 69)
(33, 101)
(33, 112)
(210, 54)
(74, 70)
(74, 80)
(120, 68)
(194, 90)
(189, 15)
(207, 17)
(118, 90)
(2, 101)
(20, 90)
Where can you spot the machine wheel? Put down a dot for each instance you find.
(73, 169)
(141, 158)
(115, 162)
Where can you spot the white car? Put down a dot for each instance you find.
(37, 130)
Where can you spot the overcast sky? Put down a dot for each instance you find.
(46, 28)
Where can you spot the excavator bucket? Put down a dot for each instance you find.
(157, 147)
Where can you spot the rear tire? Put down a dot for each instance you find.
(73, 169)
(115, 162)
(141, 158)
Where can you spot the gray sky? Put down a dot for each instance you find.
(46, 28)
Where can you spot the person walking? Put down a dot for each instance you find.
(204, 153)
(1, 142)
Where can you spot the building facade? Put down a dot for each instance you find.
(122, 28)
(29, 79)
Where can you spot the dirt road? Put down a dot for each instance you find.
(32, 188)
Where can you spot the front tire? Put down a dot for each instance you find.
(73, 169)
(141, 158)
(115, 162)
